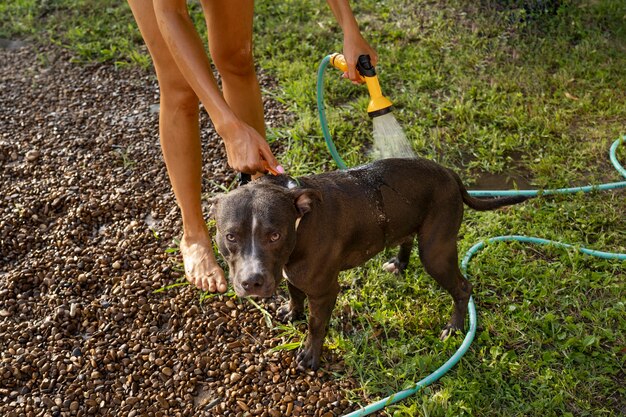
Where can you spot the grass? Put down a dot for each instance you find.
(497, 86)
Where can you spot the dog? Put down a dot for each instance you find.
(310, 229)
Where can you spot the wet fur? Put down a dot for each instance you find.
(345, 218)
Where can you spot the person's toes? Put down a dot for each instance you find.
(198, 259)
(203, 284)
(210, 281)
(217, 280)
(221, 286)
(220, 282)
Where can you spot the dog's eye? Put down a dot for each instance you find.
(230, 237)
(274, 237)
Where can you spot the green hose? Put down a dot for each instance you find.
(469, 337)
(322, 114)
(443, 369)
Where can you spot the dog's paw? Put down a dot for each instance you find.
(448, 331)
(394, 266)
(308, 359)
(286, 313)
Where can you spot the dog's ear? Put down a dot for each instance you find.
(304, 198)
(213, 206)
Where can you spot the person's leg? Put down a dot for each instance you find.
(229, 26)
(180, 143)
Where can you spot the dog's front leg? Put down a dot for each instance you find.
(294, 309)
(320, 309)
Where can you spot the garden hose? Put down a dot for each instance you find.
(469, 337)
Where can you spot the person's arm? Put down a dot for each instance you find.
(245, 147)
(353, 42)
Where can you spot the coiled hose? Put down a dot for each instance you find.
(469, 337)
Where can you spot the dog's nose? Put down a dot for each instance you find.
(253, 282)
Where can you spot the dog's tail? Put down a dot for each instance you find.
(489, 203)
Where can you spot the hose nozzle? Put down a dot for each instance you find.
(378, 104)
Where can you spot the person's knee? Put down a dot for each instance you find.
(181, 100)
(175, 91)
(233, 62)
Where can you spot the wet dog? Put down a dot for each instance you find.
(312, 228)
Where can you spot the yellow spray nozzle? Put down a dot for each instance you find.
(339, 61)
(378, 104)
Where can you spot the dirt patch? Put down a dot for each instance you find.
(86, 217)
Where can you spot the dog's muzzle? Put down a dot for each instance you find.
(255, 285)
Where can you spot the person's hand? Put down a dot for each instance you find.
(354, 45)
(247, 150)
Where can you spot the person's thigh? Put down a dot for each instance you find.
(168, 74)
(229, 26)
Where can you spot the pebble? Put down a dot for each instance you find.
(243, 405)
(32, 155)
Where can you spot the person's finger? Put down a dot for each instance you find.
(270, 169)
(271, 161)
(276, 170)
(374, 58)
(353, 74)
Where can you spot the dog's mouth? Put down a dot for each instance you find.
(257, 293)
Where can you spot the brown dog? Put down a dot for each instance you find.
(311, 229)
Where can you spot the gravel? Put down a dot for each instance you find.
(86, 217)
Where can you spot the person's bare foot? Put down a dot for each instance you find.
(201, 268)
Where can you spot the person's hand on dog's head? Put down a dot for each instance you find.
(247, 150)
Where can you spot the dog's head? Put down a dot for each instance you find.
(256, 232)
